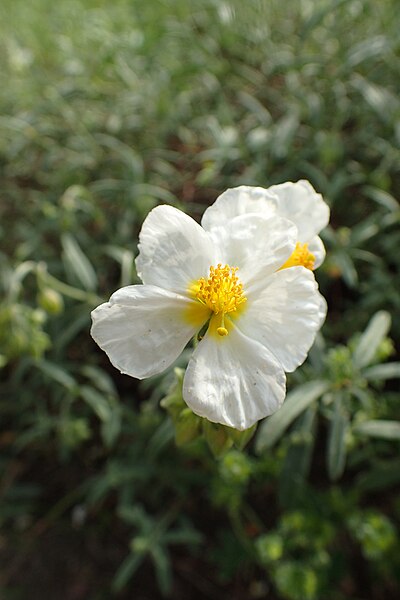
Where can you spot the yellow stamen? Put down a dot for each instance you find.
(222, 293)
(300, 257)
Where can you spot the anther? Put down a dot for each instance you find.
(221, 293)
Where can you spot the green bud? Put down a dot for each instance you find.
(242, 438)
(51, 301)
(385, 349)
(74, 432)
(235, 467)
(375, 532)
(269, 548)
(173, 401)
(187, 427)
(38, 316)
(217, 437)
(296, 581)
(140, 545)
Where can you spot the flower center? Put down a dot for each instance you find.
(221, 292)
(300, 257)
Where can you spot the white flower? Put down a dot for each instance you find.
(298, 202)
(261, 319)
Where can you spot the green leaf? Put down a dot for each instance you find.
(255, 107)
(57, 373)
(381, 197)
(385, 474)
(386, 371)
(296, 402)
(161, 437)
(126, 571)
(384, 103)
(283, 134)
(298, 459)
(79, 263)
(369, 341)
(366, 49)
(100, 379)
(162, 565)
(186, 535)
(127, 154)
(111, 428)
(97, 402)
(388, 430)
(336, 450)
(126, 260)
(363, 232)
(346, 266)
(317, 16)
(135, 515)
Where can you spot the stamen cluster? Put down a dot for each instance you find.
(301, 257)
(221, 292)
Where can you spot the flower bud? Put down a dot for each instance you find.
(51, 301)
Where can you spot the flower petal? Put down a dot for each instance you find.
(174, 250)
(322, 310)
(143, 329)
(257, 245)
(238, 201)
(317, 248)
(233, 380)
(285, 316)
(300, 203)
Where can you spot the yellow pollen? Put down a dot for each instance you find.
(300, 257)
(222, 293)
(222, 331)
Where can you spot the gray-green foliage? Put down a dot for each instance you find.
(108, 109)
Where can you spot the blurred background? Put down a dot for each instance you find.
(108, 109)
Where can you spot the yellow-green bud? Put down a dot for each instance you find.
(217, 437)
(187, 427)
(51, 301)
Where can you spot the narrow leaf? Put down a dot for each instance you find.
(298, 459)
(111, 428)
(336, 451)
(162, 565)
(296, 402)
(386, 371)
(381, 197)
(384, 475)
(79, 263)
(371, 338)
(126, 571)
(57, 373)
(388, 430)
(346, 266)
(97, 402)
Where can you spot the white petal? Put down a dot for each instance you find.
(300, 203)
(257, 245)
(285, 316)
(238, 201)
(174, 250)
(143, 329)
(322, 310)
(317, 248)
(233, 380)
